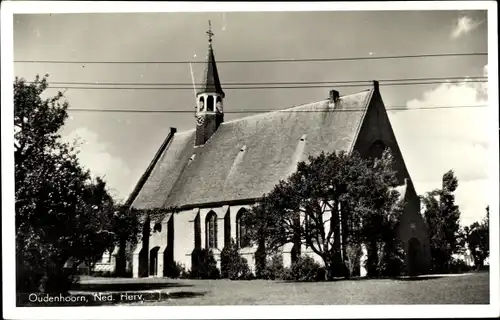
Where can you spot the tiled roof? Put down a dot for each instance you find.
(245, 158)
(167, 170)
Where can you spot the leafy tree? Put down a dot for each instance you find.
(60, 210)
(442, 217)
(332, 192)
(478, 237)
(62, 213)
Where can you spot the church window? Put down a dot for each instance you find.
(210, 103)
(211, 230)
(241, 230)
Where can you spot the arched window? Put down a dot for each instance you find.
(211, 230)
(202, 104)
(210, 103)
(241, 230)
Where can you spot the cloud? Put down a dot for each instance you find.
(95, 157)
(463, 26)
(436, 140)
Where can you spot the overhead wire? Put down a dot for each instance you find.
(434, 55)
(431, 80)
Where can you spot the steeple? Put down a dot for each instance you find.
(211, 82)
(209, 109)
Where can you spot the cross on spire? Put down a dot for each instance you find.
(209, 32)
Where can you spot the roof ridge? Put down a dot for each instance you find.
(271, 112)
(290, 108)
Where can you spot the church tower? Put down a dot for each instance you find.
(209, 99)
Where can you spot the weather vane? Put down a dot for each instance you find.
(209, 32)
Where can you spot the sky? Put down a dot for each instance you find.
(119, 146)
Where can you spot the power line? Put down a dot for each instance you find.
(264, 60)
(368, 82)
(393, 108)
(263, 87)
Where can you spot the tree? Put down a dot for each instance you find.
(61, 211)
(478, 239)
(331, 192)
(442, 217)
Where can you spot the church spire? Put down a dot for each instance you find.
(209, 109)
(211, 82)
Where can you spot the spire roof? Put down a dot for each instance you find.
(211, 82)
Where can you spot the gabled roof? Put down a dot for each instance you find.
(245, 158)
(211, 82)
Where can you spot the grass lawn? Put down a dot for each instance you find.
(459, 289)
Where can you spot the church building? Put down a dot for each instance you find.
(216, 171)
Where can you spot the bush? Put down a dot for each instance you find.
(204, 265)
(274, 267)
(174, 270)
(249, 276)
(233, 265)
(459, 266)
(269, 269)
(186, 274)
(304, 268)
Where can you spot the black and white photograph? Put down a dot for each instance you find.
(249, 160)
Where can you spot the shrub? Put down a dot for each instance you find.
(286, 274)
(174, 270)
(42, 270)
(204, 265)
(459, 266)
(233, 265)
(304, 268)
(274, 267)
(249, 276)
(186, 274)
